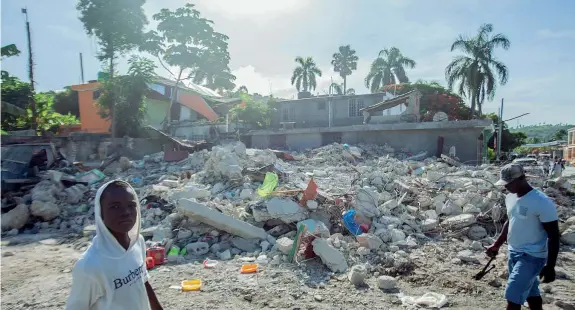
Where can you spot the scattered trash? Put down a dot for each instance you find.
(249, 268)
(208, 263)
(191, 285)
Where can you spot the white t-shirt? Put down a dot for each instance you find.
(105, 283)
(526, 215)
(107, 276)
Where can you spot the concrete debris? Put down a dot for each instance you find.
(330, 256)
(15, 218)
(369, 241)
(198, 248)
(219, 220)
(45, 210)
(386, 282)
(467, 256)
(459, 221)
(476, 232)
(568, 236)
(246, 245)
(286, 210)
(357, 275)
(284, 245)
(207, 204)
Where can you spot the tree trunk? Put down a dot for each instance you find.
(113, 97)
(479, 109)
(472, 116)
(174, 95)
(345, 85)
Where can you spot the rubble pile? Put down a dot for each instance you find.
(374, 210)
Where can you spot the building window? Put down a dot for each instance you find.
(355, 105)
(321, 105)
(288, 114)
(96, 94)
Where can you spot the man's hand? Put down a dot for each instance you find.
(492, 250)
(547, 274)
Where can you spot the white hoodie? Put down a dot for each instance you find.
(108, 276)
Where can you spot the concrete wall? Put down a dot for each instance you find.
(314, 112)
(80, 146)
(404, 137)
(198, 132)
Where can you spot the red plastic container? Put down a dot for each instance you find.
(150, 263)
(158, 253)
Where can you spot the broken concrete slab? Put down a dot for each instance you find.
(286, 210)
(369, 241)
(459, 221)
(330, 256)
(246, 245)
(219, 220)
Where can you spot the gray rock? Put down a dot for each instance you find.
(246, 245)
(357, 275)
(386, 282)
(198, 248)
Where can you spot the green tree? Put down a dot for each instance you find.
(8, 51)
(118, 27)
(257, 113)
(243, 89)
(47, 119)
(66, 102)
(477, 71)
(388, 68)
(187, 41)
(510, 140)
(560, 134)
(129, 96)
(304, 75)
(344, 62)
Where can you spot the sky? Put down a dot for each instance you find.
(266, 36)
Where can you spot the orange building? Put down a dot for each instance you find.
(191, 104)
(90, 119)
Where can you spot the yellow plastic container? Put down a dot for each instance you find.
(249, 268)
(191, 285)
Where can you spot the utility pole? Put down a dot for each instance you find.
(31, 71)
(500, 130)
(82, 68)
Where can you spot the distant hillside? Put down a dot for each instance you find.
(541, 132)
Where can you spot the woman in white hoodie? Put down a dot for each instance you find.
(112, 273)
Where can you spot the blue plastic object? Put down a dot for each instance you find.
(350, 224)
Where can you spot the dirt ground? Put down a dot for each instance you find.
(36, 274)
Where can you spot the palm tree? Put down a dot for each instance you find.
(304, 76)
(337, 89)
(344, 62)
(475, 71)
(388, 68)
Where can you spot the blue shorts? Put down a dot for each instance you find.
(523, 272)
